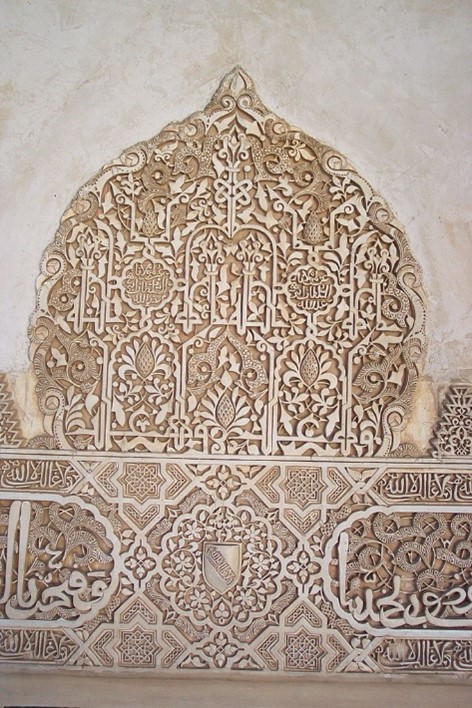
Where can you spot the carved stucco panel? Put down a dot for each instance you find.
(229, 286)
(403, 567)
(228, 334)
(235, 565)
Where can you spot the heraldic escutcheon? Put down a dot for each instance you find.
(228, 334)
(230, 286)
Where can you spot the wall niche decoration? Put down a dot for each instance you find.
(229, 286)
(228, 334)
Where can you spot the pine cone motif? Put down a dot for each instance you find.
(225, 412)
(309, 368)
(145, 361)
(150, 223)
(313, 230)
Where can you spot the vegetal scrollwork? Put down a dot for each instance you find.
(231, 285)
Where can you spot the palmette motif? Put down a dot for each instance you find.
(229, 286)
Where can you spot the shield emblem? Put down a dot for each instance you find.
(221, 565)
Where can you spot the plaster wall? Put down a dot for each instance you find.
(385, 83)
(358, 692)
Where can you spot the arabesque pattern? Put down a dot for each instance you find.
(228, 334)
(230, 286)
(453, 432)
(357, 575)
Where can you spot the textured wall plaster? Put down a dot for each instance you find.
(385, 83)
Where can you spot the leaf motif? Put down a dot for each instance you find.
(60, 358)
(332, 421)
(309, 368)
(145, 361)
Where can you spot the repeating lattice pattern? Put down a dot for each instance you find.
(370, 570)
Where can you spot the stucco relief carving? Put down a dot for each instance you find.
(10, 429)
(57, 559)
(453, 431)
(229, 286)
(400, 568)
(355, 574)
(228, 334)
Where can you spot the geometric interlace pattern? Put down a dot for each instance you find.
(231, 568)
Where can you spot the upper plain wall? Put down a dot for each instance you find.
(385, 83)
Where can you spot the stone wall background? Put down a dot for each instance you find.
(386, 83)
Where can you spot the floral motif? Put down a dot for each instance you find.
(230, 286)
(241, 583)
(220, 649)
(140, 563)
(223, 481)
(251, 576)
(303, 567)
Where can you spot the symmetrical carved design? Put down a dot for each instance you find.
(221, 565)
(141, 480)
(303, 651)
(227, 320)
(138, 647)
(235, 565)
(230, 286)
(453, 433)
(303, 485)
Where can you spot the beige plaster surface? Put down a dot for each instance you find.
(385, 83)
(84, 691)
